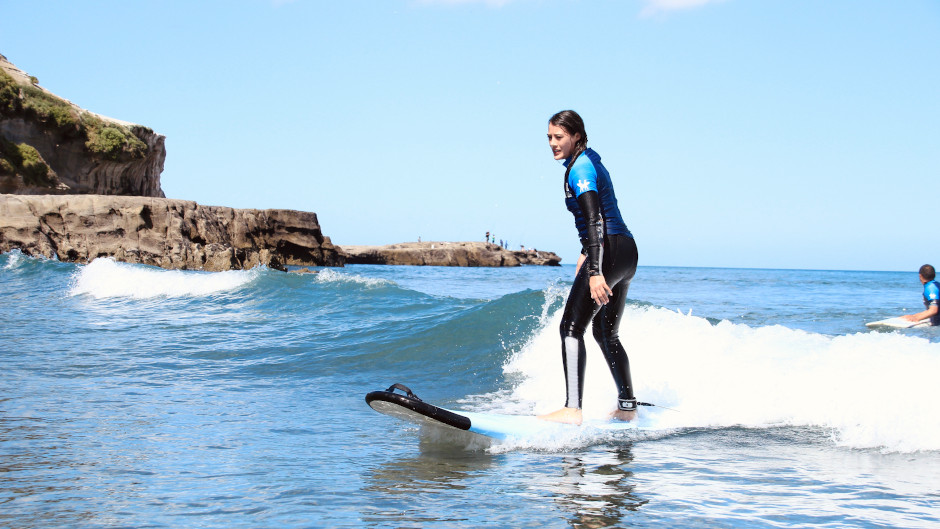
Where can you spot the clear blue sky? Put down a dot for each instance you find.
(739, 133)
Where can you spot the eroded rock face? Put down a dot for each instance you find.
(446, 254)
(78, 172)
(171, 234)
(75, 168)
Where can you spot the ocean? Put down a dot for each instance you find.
(132, 396)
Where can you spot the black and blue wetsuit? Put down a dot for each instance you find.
(932, 297)
(610, 250)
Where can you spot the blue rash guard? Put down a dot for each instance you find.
(588, 174)
(932, 297)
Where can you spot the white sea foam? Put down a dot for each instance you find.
(106, 278)
(874, 390)
(14, 258)
(330, 276)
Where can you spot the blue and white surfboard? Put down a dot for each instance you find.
(409, 407)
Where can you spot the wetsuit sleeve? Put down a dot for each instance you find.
(931, 293)
(583, 180)
(593, 244)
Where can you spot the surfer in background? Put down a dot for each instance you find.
(931, 297)
(605, 268)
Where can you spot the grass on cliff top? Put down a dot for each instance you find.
(111, 141)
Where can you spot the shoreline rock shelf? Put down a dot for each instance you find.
(476, 254)
(171, 234)
(183, 235)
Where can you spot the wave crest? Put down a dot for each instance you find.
(331, 276)
(106, 278)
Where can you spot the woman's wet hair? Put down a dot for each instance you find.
(573, 124)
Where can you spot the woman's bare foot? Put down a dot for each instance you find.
(565, 415)
(621, 415)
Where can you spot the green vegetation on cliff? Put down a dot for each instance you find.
(24, 160)
(109, 140)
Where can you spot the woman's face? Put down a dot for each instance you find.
(561, 142)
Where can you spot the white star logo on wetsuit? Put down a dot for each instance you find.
(583, 185)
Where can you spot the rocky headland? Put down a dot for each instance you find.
(447, 254)
(76, 185)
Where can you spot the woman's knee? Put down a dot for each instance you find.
(605, 331)
(570, 328)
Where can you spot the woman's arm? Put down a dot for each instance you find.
(593, 245)
(923, 315)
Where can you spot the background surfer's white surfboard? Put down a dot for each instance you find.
(898, 323)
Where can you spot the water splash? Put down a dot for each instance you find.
(12, 259)
(870, 390)
(106, 278)
(331, 276)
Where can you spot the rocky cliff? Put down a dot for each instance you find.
(446, 254)
(50, 146)
(58, 162)
(172, 234)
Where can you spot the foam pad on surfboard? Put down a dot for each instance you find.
(410, 408)
(898, 323)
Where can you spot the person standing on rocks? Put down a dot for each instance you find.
(605, 268)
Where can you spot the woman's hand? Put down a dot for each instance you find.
(600, 292)
(923, 315)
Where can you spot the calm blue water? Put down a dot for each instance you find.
(137, 397)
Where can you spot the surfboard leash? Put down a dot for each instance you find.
(656, 405)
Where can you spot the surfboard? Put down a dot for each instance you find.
(408, 407)
(898, 323)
